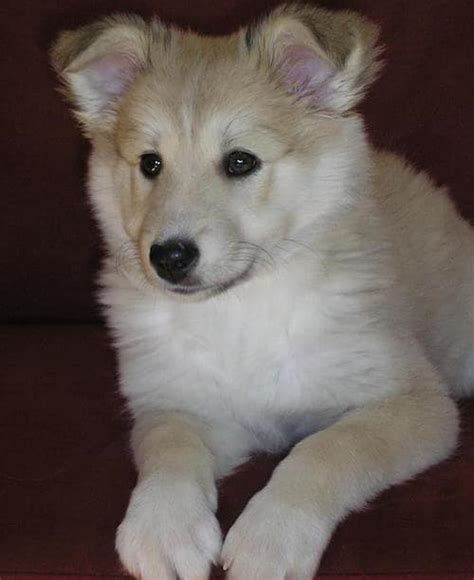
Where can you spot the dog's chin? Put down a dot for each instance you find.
(195, 289)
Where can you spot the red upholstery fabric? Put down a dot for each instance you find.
(321, 577)
(65, 473)
(421, 106)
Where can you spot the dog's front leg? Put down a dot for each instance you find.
(170, 528)
(285, 528)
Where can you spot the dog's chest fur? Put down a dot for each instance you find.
(264, 355)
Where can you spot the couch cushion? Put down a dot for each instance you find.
(422, 107)
(66, 474)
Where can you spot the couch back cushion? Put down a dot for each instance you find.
(421, 107)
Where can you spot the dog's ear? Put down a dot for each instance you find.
(327, 57)
(98, 63)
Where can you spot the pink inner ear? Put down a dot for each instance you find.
(306, 72)
(110, 75)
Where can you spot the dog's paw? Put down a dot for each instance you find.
(169, 531)
(272, 540)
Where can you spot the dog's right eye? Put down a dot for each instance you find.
(150, 165)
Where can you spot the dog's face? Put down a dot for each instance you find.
(213, 155)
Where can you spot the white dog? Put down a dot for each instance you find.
(271, 281)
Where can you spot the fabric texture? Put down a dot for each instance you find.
(421, 107)
(66, 472)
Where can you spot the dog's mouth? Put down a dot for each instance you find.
(194, 288)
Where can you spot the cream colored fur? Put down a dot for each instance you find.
(335, 305)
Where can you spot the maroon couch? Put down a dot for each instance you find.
(65, 470)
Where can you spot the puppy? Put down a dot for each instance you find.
(271, 280)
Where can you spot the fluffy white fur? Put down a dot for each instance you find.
(334, 298)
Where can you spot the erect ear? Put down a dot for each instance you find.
(99, 62)
(327, 57)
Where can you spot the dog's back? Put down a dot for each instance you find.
(434, 249)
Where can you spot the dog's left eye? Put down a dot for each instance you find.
(239, 163)
(150, 165)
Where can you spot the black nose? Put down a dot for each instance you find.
(174, 259)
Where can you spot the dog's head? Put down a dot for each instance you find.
(213, 155)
